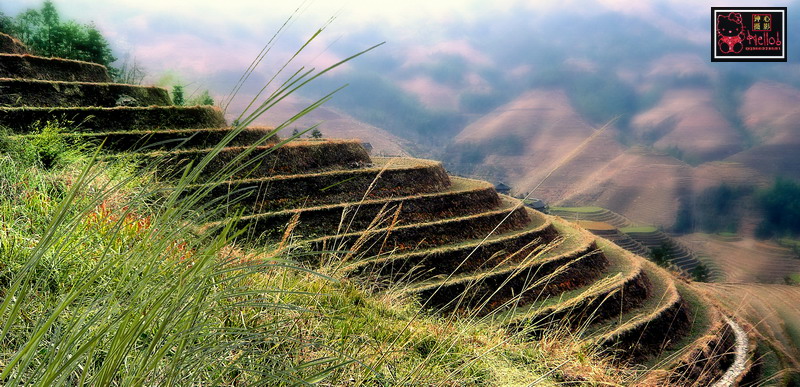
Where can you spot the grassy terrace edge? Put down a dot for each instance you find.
(53, 69)
(24, 119)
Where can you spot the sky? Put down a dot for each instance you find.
(211, 42)
(206, 36)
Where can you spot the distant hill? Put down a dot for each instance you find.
(686, 121)
(511, 112)
(643, 185)
(771, 113)
(694, 128)
(528, 137)
(336, 124)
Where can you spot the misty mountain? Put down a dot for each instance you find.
(507, 95)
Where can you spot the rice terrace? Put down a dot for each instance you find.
(150, 235)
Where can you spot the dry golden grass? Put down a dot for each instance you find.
(773, 310)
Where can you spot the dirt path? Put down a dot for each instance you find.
(740, 361)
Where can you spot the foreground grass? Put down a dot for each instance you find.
(105, 281)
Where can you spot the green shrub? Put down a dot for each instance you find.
(177, 95)
(780, 205)
(662, 255)
(45, 146)
(700, 273)
(204, 99)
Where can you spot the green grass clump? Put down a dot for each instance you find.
(582, 210)
(105, 281)
(45, 147)
(639, 229)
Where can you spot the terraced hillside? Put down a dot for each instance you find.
(746, 260)
(637, 239)
(613, 234)
(653, 238)
(404, 223)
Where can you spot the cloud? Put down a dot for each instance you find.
(200, 38)
(422, 53)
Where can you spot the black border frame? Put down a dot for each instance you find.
(785, 45)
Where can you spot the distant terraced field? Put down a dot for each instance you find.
(744, 260)
(642, 240)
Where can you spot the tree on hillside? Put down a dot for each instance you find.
(204, 99)
(662, 255)
(700, 273)
(716, 209)
(177, 95)
(780, 205)
(45, 34)
(6, 24)
(130, 72)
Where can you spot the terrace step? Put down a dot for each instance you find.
(299, 156)
(169, 139)
(51, 69)
(469, 256)
(24, 119)
(596, 214)
(10, 45)
(610, 232)
(623, 286)
(648, 330)
(685, 263)
(702, 355)
(388, 238)
(43, 93)
(572, 263)
(464, 197)
(387, 177)
(679, 255)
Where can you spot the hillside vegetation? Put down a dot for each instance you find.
(182, 250)
(107, 278)
(106, 283)
(44, 33)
